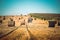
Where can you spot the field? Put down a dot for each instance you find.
(38, 29)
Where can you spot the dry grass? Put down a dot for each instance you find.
(38, 30)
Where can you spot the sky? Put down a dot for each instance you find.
(17, 7)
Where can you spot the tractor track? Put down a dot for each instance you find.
(8, 33)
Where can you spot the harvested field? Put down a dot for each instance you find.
(36, 30)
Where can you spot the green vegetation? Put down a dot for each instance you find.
(46, 16)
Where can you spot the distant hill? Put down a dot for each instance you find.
(46, 16)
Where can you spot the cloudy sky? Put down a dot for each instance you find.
(17, 7)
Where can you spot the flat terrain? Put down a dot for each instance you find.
(37, 30)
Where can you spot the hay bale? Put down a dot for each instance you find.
(11, 23)
(58, 23)
(0, 21)
(52, 23)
